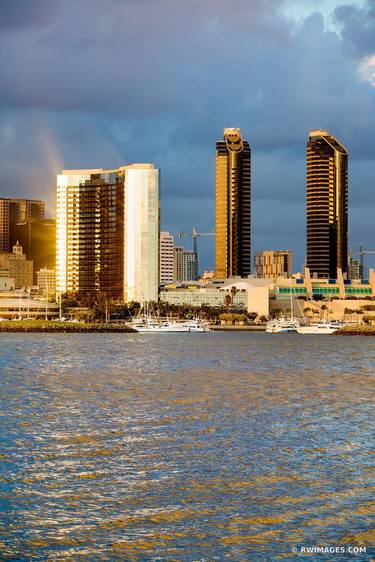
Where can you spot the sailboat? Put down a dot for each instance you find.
(284, 325)
(148, 323)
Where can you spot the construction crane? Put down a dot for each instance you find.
(362, 253)
(195, 234)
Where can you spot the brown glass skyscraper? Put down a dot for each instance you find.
(233, 205)
(327, 205)
(90, 232)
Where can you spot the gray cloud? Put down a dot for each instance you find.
(357, 27)
(23, 14)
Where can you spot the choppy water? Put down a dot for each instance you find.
(188, 447)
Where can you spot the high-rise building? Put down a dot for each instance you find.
(166, 258)
(107, 232)
(185, 265)
(354, 267)
(190, 265)
(233, 205)
(142, 227)
(178, 265)
(90, 232)
(327, 204)
(274, 263)
(13, 211)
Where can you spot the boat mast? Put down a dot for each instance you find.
(291, 299)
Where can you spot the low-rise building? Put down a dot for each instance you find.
(265, 296)
(19, 305)
(46, 281)
(18, 267)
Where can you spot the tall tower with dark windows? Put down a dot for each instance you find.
(233, 205)
(327, 204)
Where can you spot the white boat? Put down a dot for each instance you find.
(156, 327)
(197, 325)
(149, 323)
(282, 325)
(321, 327)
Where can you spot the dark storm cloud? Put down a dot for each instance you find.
(92, 83)
(134, 57)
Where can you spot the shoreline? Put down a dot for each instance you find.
(260, 328)
(361, 330)
(50, 326)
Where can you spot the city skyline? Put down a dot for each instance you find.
(47, 112)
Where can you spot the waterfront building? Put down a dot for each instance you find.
(38, 240)
(185, 265)
(233, 205)
(17, 267)
(327, 204)
(259, 295)
(90, 232)
(20, 305)
(107, 232)
(166, 258)
(13, 211)
(273, 263)
(194, 295)
(46, 281)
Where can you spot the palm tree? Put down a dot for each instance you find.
(227, 301)
(233, 292)
(307, 311)
(323, 309)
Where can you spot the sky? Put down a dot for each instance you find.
(87, 83)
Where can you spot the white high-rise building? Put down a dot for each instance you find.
(166, 258)
(141, 233)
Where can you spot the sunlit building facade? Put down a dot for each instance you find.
(17, 267)
(166, 258)
(270, 264)
(89, 232)
(107, 232)
(327, 204)
(141, 233)
(46, 282)
(233, 205)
